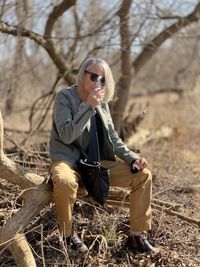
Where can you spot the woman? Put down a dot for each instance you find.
(73, 108)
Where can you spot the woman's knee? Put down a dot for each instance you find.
(142, 181)
(144, 176)
(63, 185)
(64, 181)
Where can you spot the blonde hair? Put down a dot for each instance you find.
(109, 81)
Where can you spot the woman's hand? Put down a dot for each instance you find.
(95, 97)
(141, 163)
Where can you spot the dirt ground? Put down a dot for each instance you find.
(174, 162)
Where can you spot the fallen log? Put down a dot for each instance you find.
(36, 195)
(21, 252)
(34, 200)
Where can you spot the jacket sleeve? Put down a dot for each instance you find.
(69, 126)
(120, 149)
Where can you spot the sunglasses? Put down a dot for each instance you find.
(96, 78)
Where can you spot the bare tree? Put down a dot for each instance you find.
(64, 61)
(103, 31)
(147, 52)
(18, 61)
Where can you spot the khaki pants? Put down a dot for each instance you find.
(65, 186)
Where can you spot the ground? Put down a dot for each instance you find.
(174, 162)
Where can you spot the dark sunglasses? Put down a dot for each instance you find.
(96, 78)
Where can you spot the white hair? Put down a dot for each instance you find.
(109, 81)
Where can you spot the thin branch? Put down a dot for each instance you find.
(2, 9)
(48, 45)
(33, 109)
(15, 30)
(72, 49)
(151, 48)
(56, 13)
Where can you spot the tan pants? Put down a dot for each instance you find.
(65, 186)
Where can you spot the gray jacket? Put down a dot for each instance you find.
(71, 119)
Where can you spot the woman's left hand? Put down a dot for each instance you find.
(141, 163)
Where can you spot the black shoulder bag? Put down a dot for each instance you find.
(94, 177)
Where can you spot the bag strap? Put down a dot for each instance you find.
(93, 155)
(93, 148)
(83, 153)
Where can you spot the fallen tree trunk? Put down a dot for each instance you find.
(21, 252)
(36, 195)
(34, 200)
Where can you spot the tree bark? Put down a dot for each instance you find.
(35, 199)
(36, 195)
(21, 252)
(123, 85)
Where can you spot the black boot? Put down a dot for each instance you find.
(141, 244)
(76, 243)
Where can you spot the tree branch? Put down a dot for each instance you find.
(15, 30)
(151, 48)
(21, 252)
(125, 78)
(56, 13)
(36, 196)
(35, 200)
(14, 173)
(48, 45)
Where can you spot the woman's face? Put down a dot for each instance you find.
(93, 78)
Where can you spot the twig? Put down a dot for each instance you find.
(42, 247)
(164, 190)
(166, 203)
(178, 214)
(30, 163)
(167, 210)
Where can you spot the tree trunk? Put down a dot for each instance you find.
(21, 252)
(36, 195)
(123, 85)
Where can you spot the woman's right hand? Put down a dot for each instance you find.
(95, 97)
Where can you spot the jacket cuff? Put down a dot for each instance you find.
(134, 168)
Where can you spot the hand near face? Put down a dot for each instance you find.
(95, 98)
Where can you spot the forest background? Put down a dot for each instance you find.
(152, 47)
